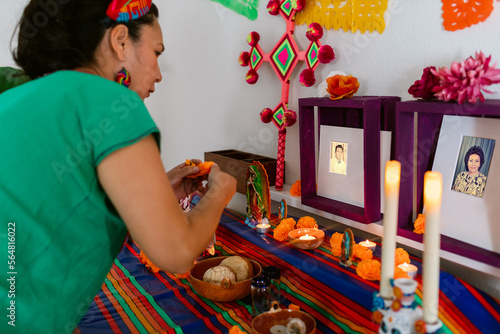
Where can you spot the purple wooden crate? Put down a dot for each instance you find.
(370, 113)
(430, 115)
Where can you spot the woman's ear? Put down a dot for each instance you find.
(119, 38)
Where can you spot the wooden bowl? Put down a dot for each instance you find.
(225, 291)
(262, 323)
(295, 240)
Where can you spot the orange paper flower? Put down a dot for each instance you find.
(336, 242)
(362, 252)
(204, 167)
(401, 257)
(295, 190)
(306, 222)
(341, 86)
(369, 270)
(294, 307)
(377, 316)
(281, 232)
(419, 224)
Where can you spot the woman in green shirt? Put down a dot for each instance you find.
(81, 165)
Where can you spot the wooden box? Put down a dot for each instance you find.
(370, 113)
(236, 163)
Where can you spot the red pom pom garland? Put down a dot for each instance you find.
(253, 38)
(307, 78)
(244, 59)
(326, 54)
(314, 32)
(266, 115)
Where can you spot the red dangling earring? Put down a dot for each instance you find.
(123, 77)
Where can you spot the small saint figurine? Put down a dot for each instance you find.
(258, 195)
(282, 211)
(346, 247)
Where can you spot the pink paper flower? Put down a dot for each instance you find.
(464, 81)
(423, 88)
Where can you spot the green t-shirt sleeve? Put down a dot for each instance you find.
(121, 120)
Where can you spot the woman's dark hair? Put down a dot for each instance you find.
(64, 34)
(474, 150)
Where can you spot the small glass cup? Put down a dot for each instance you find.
(274, 276)
(261, 295)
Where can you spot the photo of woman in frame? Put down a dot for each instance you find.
(338, 158)
(473, 165)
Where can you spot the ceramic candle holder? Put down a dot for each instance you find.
(410, 269)
(311, 238)
(369, 244)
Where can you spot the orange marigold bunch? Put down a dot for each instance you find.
(306, 222)
(147, 262)
(296, 189)
(336, 242)
(369, 270)
(419, 224)
(401, 257)
(285, 226)
(362, 252)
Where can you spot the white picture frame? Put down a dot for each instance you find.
(469, 218)
(348, 187)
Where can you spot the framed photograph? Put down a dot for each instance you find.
(338, 157)
(340, 164)
(473, 164)
(466, 157)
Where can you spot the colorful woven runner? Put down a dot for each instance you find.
(134, 300)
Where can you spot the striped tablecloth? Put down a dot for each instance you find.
(135, 300)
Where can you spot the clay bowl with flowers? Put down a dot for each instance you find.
(278, 320)
(227, 289)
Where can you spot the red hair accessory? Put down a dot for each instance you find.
(127, 10)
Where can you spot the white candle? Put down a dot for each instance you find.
(392, 177)
(369, 244)
(433, 188)
(263, 228)
(307, 237)
(410, 269)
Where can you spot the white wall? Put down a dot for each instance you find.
(204, 103)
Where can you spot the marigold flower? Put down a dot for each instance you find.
(204, 167)
(340, 86)
(362, 252)
(236, 330)
(420, 326)
(294, 307)
(419, 224)
(369, 270)
(147, 262)
(290, 222)
(306, 222)
(295, 190)
(336, 242)
(401, 257)
(281, 233)
(400, 273)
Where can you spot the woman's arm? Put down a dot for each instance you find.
(135, 180)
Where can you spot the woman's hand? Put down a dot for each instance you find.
(183, 186)
(223, 183)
